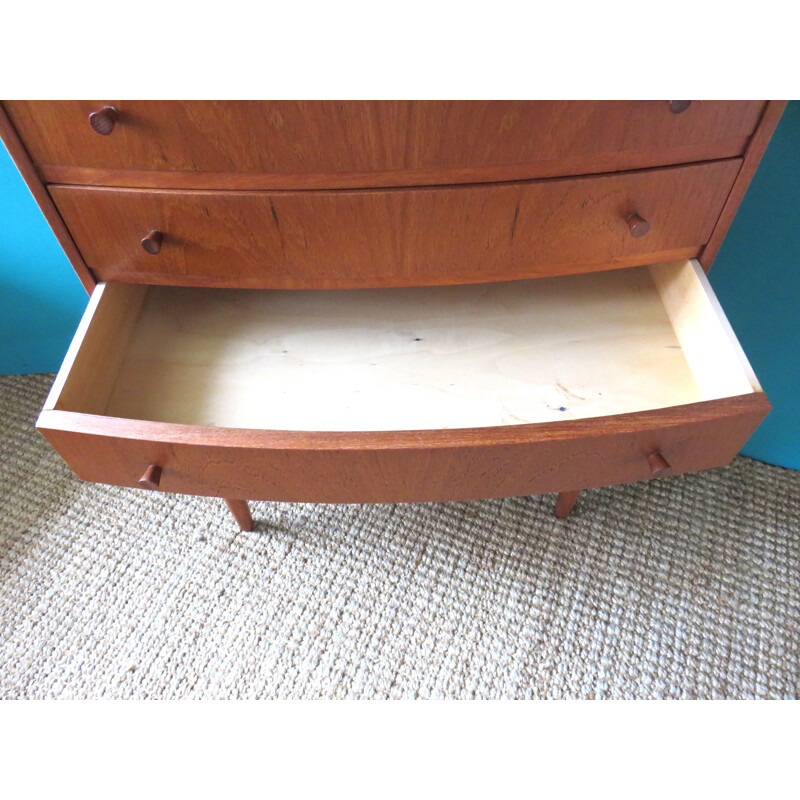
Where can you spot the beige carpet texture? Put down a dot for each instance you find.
(684, 587)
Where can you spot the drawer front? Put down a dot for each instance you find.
(326, 144)
(404, 467)
(396, 237)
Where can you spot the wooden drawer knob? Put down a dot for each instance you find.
(103, 121)
(637, 225)
(151, 477)
(658, 464)
(679, 106)
(152, 242)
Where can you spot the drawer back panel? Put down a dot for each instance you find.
(397, 237)
(327, 144)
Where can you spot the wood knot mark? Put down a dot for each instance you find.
(563, 389)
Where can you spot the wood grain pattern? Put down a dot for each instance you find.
(755, 150)
(388, 359)
(19, 154)
(415, 466)
(327, 144)
(396, 237)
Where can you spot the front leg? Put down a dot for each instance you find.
(241, 512)
(565, 502)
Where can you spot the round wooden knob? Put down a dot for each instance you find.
(103, 121)
(679, 106)
(151, 477)
(637, 225)
(152, 242)
(658, 464)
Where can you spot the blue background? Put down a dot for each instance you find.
(755, 275)
(41, 298)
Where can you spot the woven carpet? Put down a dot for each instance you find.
(685, 587)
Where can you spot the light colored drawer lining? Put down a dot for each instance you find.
(406, 359)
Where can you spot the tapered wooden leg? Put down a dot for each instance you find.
(565, 502)
(240, 510)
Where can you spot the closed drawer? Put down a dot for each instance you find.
(396, 237)
(395, 395)
(320, 144)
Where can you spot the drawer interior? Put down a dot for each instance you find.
(426, 358)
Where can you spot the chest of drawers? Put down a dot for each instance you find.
(394, 301)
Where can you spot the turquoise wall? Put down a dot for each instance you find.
(757, 279)
(756, 275)
(41, 298)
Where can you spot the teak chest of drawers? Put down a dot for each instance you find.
(394, 301)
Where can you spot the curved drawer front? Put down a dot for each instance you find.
(404, 467)
(325, 144)
(396, 237)
(405, 394)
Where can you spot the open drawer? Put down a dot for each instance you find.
(410, 394)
